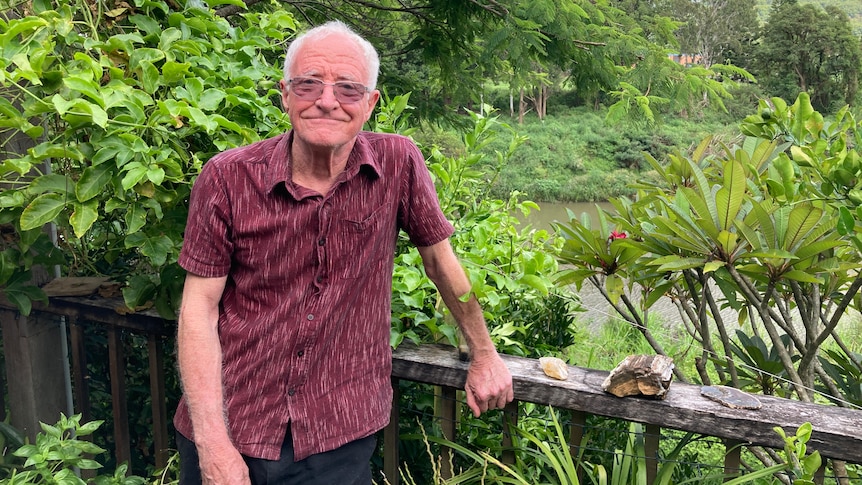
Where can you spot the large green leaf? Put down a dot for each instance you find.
(136, 217)
(804, 116)
(83, 216)
(87, 87)
(801, 221)
(704, 189)
(534, 282)
(801, 276)
(42, 210)
(149, 77)
(154, 247)
(52, 182)
(669, 263)
(846, 223)
(812, 249)
(728, 199)
(21, 26)
(93, 181)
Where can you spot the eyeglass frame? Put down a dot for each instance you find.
(291, 83)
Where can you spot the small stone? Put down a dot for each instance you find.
(554, 367)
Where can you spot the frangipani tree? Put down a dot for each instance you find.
(767, 228)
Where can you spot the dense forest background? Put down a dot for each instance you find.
(852, 8)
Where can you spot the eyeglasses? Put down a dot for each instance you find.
(310, 89)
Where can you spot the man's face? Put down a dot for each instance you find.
(326, 123)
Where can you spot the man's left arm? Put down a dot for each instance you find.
(489, 383)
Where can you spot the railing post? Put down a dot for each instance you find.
(80, 377)
(447, 405)
(156, 360)
(732, 458)
(820, 474)
(510, 425)
(576, 438)
(391, 438)
(652, 435)
(116, 359)
(35, 369)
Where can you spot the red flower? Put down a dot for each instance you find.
(617, 235)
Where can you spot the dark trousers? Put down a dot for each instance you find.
(347, 465)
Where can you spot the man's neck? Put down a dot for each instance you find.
(317, 170)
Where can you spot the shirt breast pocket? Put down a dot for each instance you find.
(361, 242)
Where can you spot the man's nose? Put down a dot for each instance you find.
(327, 97)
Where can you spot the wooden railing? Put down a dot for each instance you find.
(837, 431)
(79, 312)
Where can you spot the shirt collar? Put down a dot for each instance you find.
(279, 167)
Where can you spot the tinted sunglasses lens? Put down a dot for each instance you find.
(307, 89)
(349, 92)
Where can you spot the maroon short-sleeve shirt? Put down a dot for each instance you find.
(305, 316)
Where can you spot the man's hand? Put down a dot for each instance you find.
(222, 465)
(489, 383)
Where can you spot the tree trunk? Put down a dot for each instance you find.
(522, 107)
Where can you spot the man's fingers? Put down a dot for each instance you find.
(471, 403)
(481, 404)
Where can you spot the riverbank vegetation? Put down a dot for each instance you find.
(576, 156)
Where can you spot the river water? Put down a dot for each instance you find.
(557, 212)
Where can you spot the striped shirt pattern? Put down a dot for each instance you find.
(305, 316)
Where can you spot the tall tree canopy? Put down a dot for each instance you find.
(715, 30)
(445, 50)
(806, 48)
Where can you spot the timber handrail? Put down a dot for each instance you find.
(837, 432)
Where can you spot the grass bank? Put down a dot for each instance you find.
(574, 156)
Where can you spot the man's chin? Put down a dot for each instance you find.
(324, 141)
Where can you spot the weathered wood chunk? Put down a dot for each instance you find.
(554, 367)
(645, 375)
(730, 397)
(75, 286)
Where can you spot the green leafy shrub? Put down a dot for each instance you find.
(503, 262)
(59, 451)
(122, 110)
(753, 227)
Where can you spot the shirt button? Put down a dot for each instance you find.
(300, 353)
(321, 241)
(310, 316)
(291, 392)
(319, 279)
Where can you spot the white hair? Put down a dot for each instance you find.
(372, 61)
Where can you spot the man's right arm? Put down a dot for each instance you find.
(200, 362)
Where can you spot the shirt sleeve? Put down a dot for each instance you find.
(419, 210)
(207, 245)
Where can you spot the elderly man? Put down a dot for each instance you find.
(283, 333)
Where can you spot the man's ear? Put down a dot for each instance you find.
(373, 97)
(285, 90)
